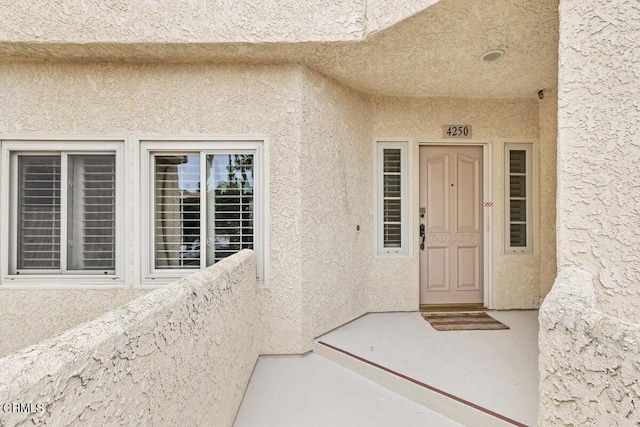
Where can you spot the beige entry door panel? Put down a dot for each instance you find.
(451, 259)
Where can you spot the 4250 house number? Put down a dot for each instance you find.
(456, 131)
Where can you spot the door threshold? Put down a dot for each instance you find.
(451, 307)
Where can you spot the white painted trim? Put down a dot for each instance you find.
(258, 144)
(5, 203)
(406, 152)
(530, 146)
(64, 199)
(132, 204)
(56, 143)
(264, 220)
(487, 196)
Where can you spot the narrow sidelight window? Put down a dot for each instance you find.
(392, 198)
(392, 203)
(519, 198)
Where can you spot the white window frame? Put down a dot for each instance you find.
(403, 144)
(12, 145)
(531, 189)
(258, 145)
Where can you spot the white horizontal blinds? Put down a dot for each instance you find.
(230, 204)
(518, 198)
(177, 211)
(91, 206)
(392, 197)
(38, 213)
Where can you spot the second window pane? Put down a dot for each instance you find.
(91, 221)
(230, 204)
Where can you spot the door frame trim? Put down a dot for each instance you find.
(487, 196)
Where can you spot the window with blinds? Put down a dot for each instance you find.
(177, 211)
(392, 197)
(518, 198)
(91, 212)
(77, 191)
(230, 188)
(38, 213)
(195, 229)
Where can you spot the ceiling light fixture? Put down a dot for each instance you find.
(492, 55)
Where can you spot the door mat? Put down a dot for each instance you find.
(463, 321)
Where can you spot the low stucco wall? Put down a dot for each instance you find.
(180, 355)
(589, 361)
(28, 316)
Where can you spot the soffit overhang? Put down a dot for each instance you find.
(435, 52)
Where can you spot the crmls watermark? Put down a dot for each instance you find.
(22, 407)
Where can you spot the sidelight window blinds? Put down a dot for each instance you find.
(392, 201)
(66, 213)
(519, 197)
(195, 228)
(391, 196)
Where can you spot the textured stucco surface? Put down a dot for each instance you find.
(180, 355)
(599, 148)
(381, 14)
(547, 188)
(589, 362)
(436, 52)
(337, 185)
(255, 21)
(178, 99)
(322, 270)
(32, 315)
(401, 48)
(516, 277)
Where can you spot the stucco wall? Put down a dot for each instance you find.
(30, 316)
(180, 355)
(547, 179)
(599, 148)
(200, 21)
(516, 277)
(382, 14)
(173, 21)
(174, 99)
(321, 158)
(589, 361)
(336, 171)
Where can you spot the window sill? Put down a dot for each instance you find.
(62, 282)
(403, 254)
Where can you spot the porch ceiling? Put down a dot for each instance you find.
(433, 53)
(436, 52)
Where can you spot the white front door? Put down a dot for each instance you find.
(451, 259)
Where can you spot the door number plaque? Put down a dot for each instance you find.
(456, 132)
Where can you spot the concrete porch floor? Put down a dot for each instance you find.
(496, 370)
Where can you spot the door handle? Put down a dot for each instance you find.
(422, 236)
